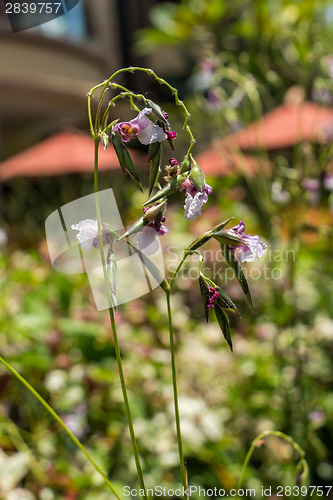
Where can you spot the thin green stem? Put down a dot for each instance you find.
(61, 423)
(302, 461)
(113, 326)
(175, 397)
(126, 403)
(174, 276)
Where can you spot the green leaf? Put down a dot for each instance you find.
(204, 295)
(234, 264)
(221, 225)
(223, 321)
(154, 148)
(125, 159)
(203, 238)
(150, 266)
(154, 166)
(225, 302)
(167, 190)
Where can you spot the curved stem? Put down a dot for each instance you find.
(61, 423)
(161, 81)
(302, 461)
(175, 397)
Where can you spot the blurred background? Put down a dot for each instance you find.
(256, 76)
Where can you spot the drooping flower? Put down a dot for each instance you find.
(253, 247)
(147, 237)
(142, 128)
(88, 233)
(194, 199)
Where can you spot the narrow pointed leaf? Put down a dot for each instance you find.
(150, 266)
(221, 225)
(223, 321)
(167, 190)
(117, 145)
(154, 148)
(204, 295)
(225, 302)
(234, 264)
(125, 159)
(131, 169)
(134, 229)
(200, 241)
(155, 168)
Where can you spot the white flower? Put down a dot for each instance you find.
(253, 249)
(193, 204)
(88, 233)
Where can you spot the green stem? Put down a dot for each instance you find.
(302, 461)
(175, 397)
(113, 326)
(61, 423)
(126, 403)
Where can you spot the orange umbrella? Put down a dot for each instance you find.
(64, 153)
(220, 161)
(284, 127)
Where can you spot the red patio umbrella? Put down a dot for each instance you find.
(219, 160)
(284, 127)
(64, 153)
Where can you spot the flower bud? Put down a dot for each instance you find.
(186, 165)
(197, 177)
(152, 212)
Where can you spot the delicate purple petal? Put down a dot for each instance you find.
(253, 249)
(240, 228)
(163, 230)
(141, 120)
(208, 189)
(193, 205)
(151, 133)
(142, 128)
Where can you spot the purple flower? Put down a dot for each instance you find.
(142, 128)
(310, 184)
(88, 233)
(253, 247)
(194, 199)
(146, 239)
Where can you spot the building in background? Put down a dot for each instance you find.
(46, 71)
